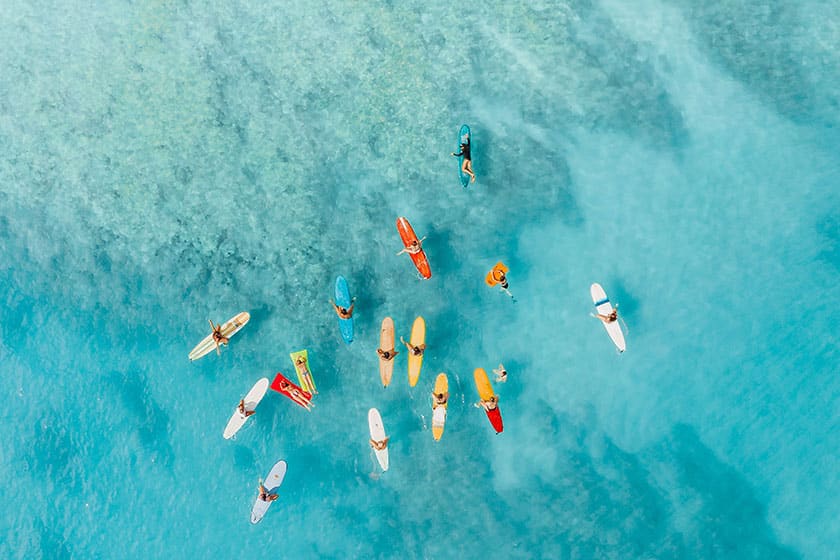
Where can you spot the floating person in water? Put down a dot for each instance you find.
(265, 495)
(414, 247)
(501, 374)
(415, 350)
(344, 313)
(490, 404)
(466, 166)
(498, 277)
(387, 355)
(379, 445)
(611, 318)
(244, 413)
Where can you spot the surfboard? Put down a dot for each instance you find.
(419, 259)
(604, 307)
(228, 330)
(304, 374)
(292, 391)
(463, 138)
(439, 410)
(343, 299)
(252, 399)
(386, 343)
(377, 433)
(485, 393)
(271, 483)
(418, 337)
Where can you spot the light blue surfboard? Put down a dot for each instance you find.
(463, 138)
(342, 299)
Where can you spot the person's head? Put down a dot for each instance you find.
(284, 384)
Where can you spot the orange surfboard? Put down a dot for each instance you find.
(408, 236)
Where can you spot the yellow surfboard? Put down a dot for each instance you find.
(482, 383)
(386, 344)
(418, 337)
(439, 410)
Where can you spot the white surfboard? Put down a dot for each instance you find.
(230, 328)
(604, 307)
(271, 483)
(439, 418)
(252, 399)
(377, 433)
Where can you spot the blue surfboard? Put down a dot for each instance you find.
(342, 299)
(463, 138)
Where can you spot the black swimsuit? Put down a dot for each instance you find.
(465, 151)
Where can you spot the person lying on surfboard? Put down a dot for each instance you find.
(489, 404)
(440, 398)
(611, 318)
(415, 350)
(242, 411)
(386, 355)
(265, 496)
(379, 445)
(501, 374)
(414, 247)
(466, 167)
(344, 313)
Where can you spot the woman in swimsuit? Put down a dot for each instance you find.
(489, 404)
(611, 318)
(415, 350)
(379, 445)
(387, 355)
(466, 167)
(342, 312)
(244, 413)
(414, 247)
(265, 496)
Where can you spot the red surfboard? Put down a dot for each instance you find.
(290, 389)
(495, 417)
(408, 236)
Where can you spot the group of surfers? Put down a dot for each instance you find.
(496, 277)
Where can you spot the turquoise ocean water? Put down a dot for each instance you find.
(167, 162)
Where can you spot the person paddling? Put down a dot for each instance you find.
(611, 318)
(218, 337)
(379, 445)
(387, 355)
(344, 313)
(490, 404)
(415, 350)
(414, 247)
(265, 495)
(466, 166)
(244, 413)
